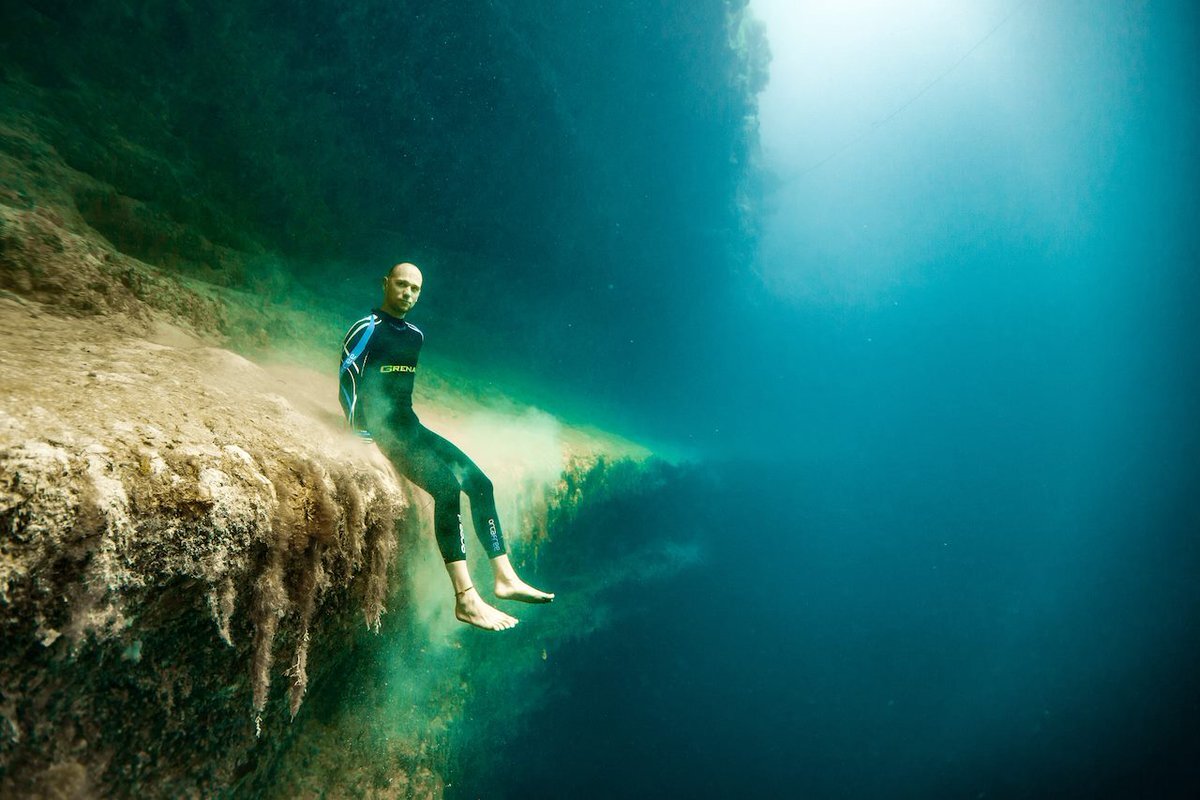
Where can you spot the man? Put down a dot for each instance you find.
(379, 365)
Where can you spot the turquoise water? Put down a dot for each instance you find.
(922, 310)
(873, 629)
(948, 536)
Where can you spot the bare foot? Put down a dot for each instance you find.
(470, 608)
(513, 588)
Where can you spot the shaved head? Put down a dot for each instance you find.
(401, 288)
(404, 266)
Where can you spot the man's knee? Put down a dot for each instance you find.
(477, 483)
(446, 495)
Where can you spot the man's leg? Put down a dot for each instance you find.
(478, 487)
(508, 586)
(470, 607)
(415, 460)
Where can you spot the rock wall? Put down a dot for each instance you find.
(569, 166)
(173, 527)
(206, 588)
(191, 542)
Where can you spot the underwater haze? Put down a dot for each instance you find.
(948, 531)
(903, 298)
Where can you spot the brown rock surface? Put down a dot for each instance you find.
(190, 543)
(151, 486)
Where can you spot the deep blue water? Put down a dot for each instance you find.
(947, 517)
(876, 629)
(955, 552)
(941, 538)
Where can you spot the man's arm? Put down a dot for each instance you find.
(355, 350)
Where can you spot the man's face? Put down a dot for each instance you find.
(401, 288)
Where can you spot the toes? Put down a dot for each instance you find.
(487, 617)
(499, 621)
(524, 594)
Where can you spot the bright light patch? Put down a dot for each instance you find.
(909, 140)
(838, 67)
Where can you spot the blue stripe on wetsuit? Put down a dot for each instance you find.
(350, 398)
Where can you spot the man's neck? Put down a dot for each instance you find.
(392, 312)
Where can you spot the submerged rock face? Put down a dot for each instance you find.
(196, 559)
(600, 155)
(172, 527)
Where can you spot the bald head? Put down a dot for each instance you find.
(406, 267)
(401, 288)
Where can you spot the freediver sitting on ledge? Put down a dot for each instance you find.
(378, 405)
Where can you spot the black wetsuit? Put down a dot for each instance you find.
(378, 369)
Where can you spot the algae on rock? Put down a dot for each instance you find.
(192, 543)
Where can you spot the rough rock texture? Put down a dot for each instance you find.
(172, 527)
(196, 559)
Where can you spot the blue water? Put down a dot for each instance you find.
(875, 630)
(948, 523)
(932, 348)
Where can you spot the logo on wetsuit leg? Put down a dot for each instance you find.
(495, 535)
(462, 540)
(397, 368)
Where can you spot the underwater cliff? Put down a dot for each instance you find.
(852, 418)
(191, 540)
(207, 588)
(556, 170)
